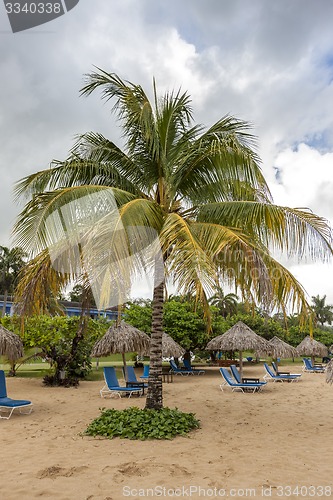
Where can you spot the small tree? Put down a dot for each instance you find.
(11, 263)
(323, 311)
(56, 339)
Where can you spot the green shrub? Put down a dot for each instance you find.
(134, 423)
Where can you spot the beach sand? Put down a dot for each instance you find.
(248, 446)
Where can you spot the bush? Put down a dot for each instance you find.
(134, 423)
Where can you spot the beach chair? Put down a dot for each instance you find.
(278, 372)
(244, 380)
(309, 367)
(178, 371)
(194, 371)
(131, 380)
(112, 386)
(145, 374)
(238, 379)
(8, 405)
(236, 386)
(270, 375)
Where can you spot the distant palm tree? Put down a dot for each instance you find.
(227, 304)
(202, 192)
(323, 311)
(11, 263)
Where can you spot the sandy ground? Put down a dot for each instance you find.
(248, 446)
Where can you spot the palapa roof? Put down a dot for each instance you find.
(170, 347)
(120, 339)
(311, 347)
(329, 372)
(239, 337)
(281, 349)
(10, 344)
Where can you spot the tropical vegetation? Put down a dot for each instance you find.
(188, 202)
(323, 312)
(11, 263)
(66, 343)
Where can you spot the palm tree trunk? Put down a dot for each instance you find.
(4, 306)
(154, 393)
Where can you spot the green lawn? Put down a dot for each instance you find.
(40, 369)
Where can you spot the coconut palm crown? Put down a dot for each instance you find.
(200, 190)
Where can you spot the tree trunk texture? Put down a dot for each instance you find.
(154, 393)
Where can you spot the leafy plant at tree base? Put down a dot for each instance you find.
(134, 423)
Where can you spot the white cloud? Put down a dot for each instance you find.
(305, 179)
(269, 63)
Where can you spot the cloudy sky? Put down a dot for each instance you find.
(267, 62)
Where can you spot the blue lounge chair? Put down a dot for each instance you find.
(278, 372)
(112, 385)
(245, 380)
(188, 366)
(130, 378)
(309, 367)
(270, 375)
(9, 405)
(235, 386)
(178, 371)
(145, 372)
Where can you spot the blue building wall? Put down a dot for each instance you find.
(71, 309)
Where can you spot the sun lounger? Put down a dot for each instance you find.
(145, 372)
(195, 371)
(243, 380)
(278, 372)
(131, 380)
(178, 371)
(309, 367)
(112, 386)
(8, 405)
(270, 375)
(236, 386)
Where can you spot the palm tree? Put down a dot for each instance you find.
(11, 263)
(227, 304)
(323, 311)
(201, 191)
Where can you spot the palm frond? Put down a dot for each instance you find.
(49, 216)
(287, 229)
(218, 158)
(39, 287)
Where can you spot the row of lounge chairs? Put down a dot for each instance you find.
(237, 384)
(309, 367)
(135, 386)
(247, 384)
(276, 376)
(186, 370)
(273, 374)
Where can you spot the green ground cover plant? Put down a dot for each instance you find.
(134, 423)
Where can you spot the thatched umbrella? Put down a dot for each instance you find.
(311, 347)
(170, 347)
(10, 344)
(239, 338)
(329, 372)
(280, 349)
(121, 338)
